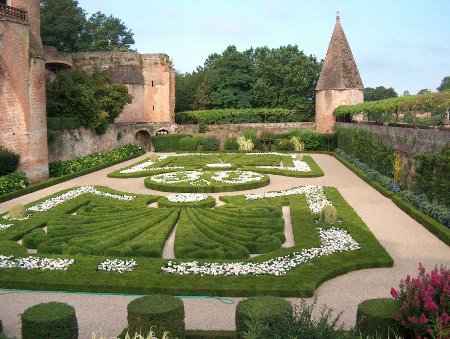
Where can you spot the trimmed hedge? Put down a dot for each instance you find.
(49, 320)
(64, 167)
(243, 116)
(313, 141)
(211, 144)
(8, 247)
(168, 142)
(275, 312)
(187, 144)
(376, 317)
(158, 313)
(12, 182)
(9, 161)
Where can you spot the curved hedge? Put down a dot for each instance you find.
(8, 247)
(376, 317)
(243, 116)
(158, 313)
(49, 320)
(209, 202)
(211, 187)
(275, 312)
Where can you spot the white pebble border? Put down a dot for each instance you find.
(117, 265)
(219, 165)
(35, 263)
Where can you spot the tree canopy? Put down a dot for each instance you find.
(379, 93)
(65, 26)
(282, 77)
(445, 84)
(90, 97)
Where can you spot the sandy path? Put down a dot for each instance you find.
(407, 242)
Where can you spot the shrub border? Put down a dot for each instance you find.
(429, 223)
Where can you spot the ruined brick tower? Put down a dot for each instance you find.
(23, 126)
(339, 82)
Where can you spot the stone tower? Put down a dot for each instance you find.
(339, 82)
(23, 126)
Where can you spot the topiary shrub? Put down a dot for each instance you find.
(273, 312)
(34, 238)
(168, 142)
(328, 214)
(17, 212)
(9, 161)
(376, 317)
(231, 144)
(187, 144)
(49, 320)
(211, 144)
(9, 247)
(158, 313)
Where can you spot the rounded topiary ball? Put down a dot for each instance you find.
(158, 313)
(49, 320)
(377, 317)
(273, 311)
(328, 214)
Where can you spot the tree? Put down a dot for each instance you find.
(406, 93)
(64, 26)
(62, 23)
(92, 98)
(445, 84)
(379, 93)
(106, 33)
(285, 77)
(423, 91)
(186, 88)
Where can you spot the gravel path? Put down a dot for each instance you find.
(407, 242)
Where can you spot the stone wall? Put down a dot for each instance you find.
(82, 141)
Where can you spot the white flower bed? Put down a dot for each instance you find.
(165, 156)
(236, 177)
(186, 197)
(145, 166)
(219, 165)
(58, 200)
(333, 240)
(299, 165)
(5, 226)
(177, 177)
(117, 265)
(315, 197)
(35, 263)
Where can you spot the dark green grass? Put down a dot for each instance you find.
(148, 278)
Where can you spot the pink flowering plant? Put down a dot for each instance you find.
(425, 303)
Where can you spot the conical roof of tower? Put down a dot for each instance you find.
(339, 70)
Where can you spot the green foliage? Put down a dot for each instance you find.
(106, 33)
(89, 97)
(376, 317)
(273, 312)
(49, 320)
(211, 143)
(366, 146)
(284, 77)
(445, 84)
(231, 144)
(9, 161)
(17, 212)
(168, 142)
(187, 144)
(64, 25)
(64, 167)
(328, 214)
(284, 145)
(185, 89)
(62, 123)
(202, 127)
(13, 182)
(242, 116)
(379, 93)
(157, 313)
(8, 247)
(311, 140)
(209, 202)
(388, 110)
(228, 232)
(432, 175)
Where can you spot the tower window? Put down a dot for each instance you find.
(152, 83)
(153, 107)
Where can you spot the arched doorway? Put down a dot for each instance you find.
(144, 139)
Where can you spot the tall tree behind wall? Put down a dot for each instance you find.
(64, 25)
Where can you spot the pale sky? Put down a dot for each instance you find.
(403, 44)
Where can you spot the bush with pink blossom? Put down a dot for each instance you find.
(425, 303)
